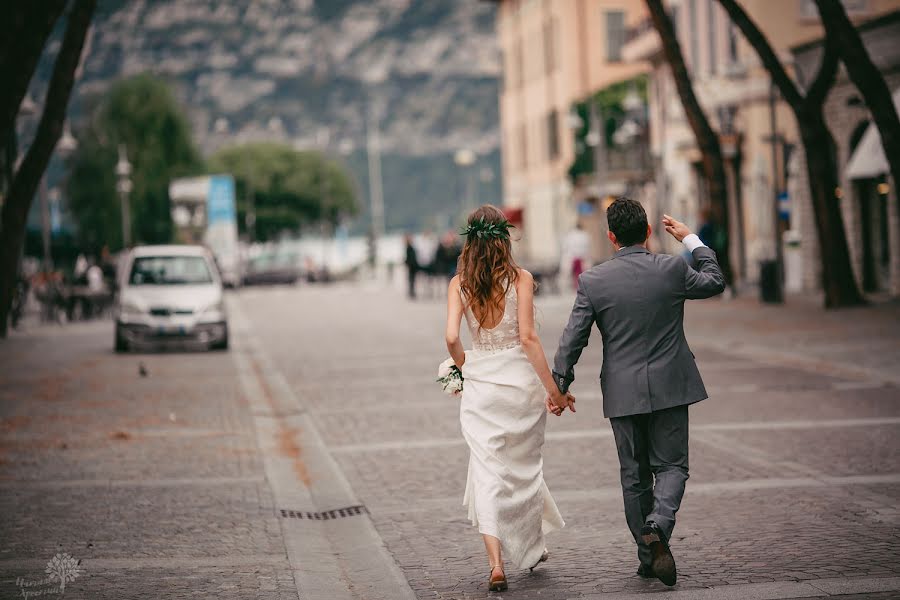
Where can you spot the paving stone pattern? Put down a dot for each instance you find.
(367, 376)
(157, 482)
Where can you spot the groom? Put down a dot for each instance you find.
(649, 376)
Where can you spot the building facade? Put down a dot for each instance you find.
(757, 130)
(555, 53)
(867, 194)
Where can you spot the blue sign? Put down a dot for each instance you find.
(784, 206)
(220, 206)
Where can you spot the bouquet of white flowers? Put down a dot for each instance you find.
(450, 378)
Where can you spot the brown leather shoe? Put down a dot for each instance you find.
(497, 583)
(663, 564)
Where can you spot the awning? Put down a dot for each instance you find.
(513, 215)
(868, 159)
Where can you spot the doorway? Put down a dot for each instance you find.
(873, 217)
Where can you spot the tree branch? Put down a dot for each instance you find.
(706, 137)
(759, 42)
(672, 51)
(867, 78)
(26, 27)
(57, 100)
(821, 85)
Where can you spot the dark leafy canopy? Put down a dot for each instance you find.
(288, 188)
(141, 113)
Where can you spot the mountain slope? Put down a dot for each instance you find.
(429, 67)
(307, 73)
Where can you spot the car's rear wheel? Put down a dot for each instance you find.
(121, 344)
(221, 344)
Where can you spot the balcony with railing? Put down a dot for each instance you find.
(641, 42)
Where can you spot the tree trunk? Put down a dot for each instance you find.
(707, 139)
(822, 170)
(24, 29)
(867, 78)
(839, 283)
(27, 177)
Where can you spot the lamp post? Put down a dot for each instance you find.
(123, 186)
(323, 138)
(376, 197)
(464, 159)
(49, 199)
(777, 292)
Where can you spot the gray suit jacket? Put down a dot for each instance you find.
(637, 301)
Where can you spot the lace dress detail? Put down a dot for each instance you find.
(504, 335)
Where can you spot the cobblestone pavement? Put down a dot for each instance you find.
(155, 483)
(795, 469)
(160, 486)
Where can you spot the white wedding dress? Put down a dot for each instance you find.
(503, 415)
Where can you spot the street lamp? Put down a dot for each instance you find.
(67, 143)
(376, 193)
(123, 186)
(49, 200)
(323, 139)
(221, 126)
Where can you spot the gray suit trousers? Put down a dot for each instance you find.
(652, 446)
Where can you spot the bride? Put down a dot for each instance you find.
(508, 384)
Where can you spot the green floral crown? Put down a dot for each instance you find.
(488, 229)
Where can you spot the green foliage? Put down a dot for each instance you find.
(92, 196)
(609, 103)
(484, 230)
(142, 114)
(288, 188)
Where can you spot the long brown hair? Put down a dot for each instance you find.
(486, 266)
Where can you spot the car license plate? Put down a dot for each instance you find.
(172, 330)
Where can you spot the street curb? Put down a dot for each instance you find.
(331, 557)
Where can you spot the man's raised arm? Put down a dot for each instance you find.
(707, 280)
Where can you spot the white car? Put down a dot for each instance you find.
(170, 294)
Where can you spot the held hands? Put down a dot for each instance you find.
(557, 402)
(676, 229)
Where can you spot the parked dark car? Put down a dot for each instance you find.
(270, 269)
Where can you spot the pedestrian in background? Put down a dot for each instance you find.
(576, 253)
(447, 256)
(412, 265)
(426, 245)
(715, 237)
